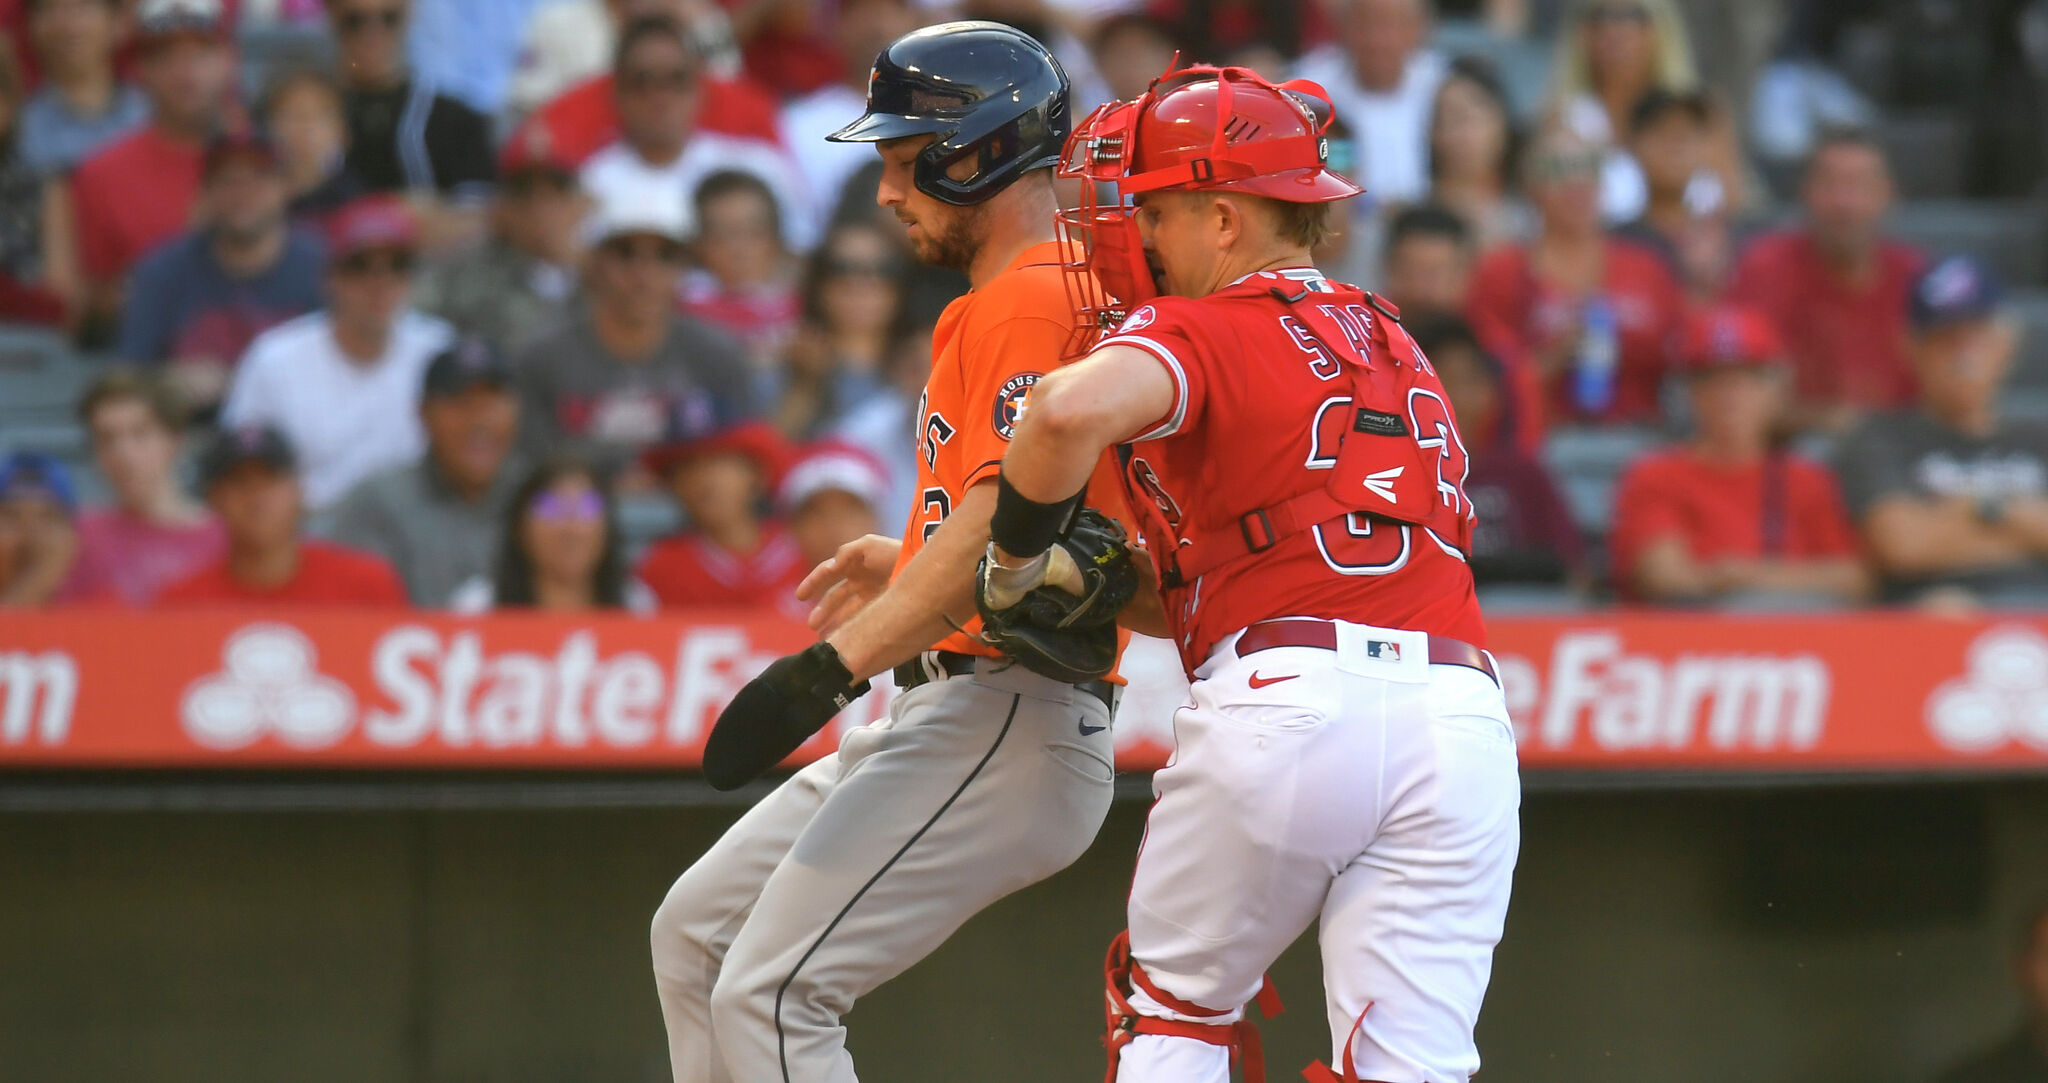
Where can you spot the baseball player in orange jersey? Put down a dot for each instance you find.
(985, 777)
(1297, 475)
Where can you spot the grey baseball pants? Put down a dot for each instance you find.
(864, 862)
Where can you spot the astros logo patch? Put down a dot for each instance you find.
(1010, 402)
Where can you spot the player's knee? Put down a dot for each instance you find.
(678, 941)
(740, 1003)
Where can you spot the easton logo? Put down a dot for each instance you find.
(1010, 402)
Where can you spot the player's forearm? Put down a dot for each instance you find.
(938, 582)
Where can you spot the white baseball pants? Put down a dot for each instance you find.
(1363, 786)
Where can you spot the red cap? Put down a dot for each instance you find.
(1729, 336)
(372, 222)
(830, 466)
(534, 149)
(757, 440)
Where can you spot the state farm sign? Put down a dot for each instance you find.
(368, 690)
(1596, 691)
(457, 689)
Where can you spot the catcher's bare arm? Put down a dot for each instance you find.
(1076, 413)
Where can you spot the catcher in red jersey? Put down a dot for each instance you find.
(1345, 756)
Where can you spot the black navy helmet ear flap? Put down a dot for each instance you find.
(983, 90)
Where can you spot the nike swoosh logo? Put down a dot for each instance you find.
(1090, 731)
(1261, 682)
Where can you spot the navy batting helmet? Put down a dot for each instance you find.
(983, 89)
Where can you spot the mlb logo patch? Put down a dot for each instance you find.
(1382, 650)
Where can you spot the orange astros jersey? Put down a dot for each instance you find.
(990, 346)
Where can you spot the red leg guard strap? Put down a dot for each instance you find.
(1322, 1073)
(1121, 973)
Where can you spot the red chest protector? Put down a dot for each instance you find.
(1390, 449)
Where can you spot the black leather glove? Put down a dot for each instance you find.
(777, 711)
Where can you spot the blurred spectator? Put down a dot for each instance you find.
(876, 425)
(82, 103)
(518, 283)
(1683, 219)
(605, 382)
(1383, 82)
(343, 383)
(1592, 313)
(1836, 286)
(747, 285)
(1216, 30)
(852, 315)
(1472, 150)
(863, 29)
(559, 549)
(197, 302)
(468, 48)
(303, 114)
(787, 45)
(153, 534)
(1428, 260)
(250, 480)
(1524, 533)
(38, 540)
(1132, 49)
(662, 155)
(2022, 1058)
(436, 520)
(1613, 53)
(830, 496)
(1799, 94)
(1953, 501)
(730, 555)
(403, 134)
(1727, 517)
(38, 270)
(585, 118)
(138, 191)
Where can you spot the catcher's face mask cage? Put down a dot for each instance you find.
(1198, 128)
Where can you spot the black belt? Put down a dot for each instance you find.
(954, 664)
(1306, 632)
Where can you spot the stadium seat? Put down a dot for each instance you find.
(1587, 462)
(2006, 234)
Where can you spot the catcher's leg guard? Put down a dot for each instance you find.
(1123, 975)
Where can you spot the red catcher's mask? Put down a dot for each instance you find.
(1199, 128)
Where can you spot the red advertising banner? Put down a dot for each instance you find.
(1604, 691)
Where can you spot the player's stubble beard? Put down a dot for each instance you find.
(955, 245)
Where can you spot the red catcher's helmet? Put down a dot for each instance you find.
(1198, 128)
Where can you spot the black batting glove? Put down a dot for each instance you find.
(776, 712)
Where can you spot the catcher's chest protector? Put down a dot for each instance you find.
(1382, 441)
(1397, 452)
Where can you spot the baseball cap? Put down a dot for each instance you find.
(372, 222)
(32, 473)
(170, 18)
(534, 150)
(756, 440)
(833, 467)
(652, 209)
(470, 362)
(252, 444)
(1729, 336)
(1954, 290)
(248, 143)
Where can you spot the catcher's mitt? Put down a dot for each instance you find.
(1066, 635)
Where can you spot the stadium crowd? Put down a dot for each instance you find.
(569, 304)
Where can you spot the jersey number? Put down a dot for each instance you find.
(935, 498)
